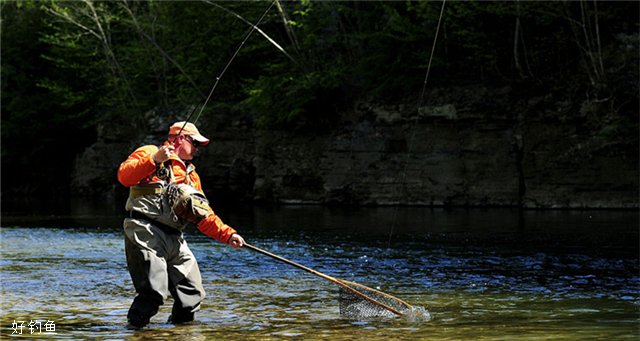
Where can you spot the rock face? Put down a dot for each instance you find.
(471, 152)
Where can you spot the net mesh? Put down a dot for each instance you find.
(360, 302)
(378, 304)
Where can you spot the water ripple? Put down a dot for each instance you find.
(80, 280)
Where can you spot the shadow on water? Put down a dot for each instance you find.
(481, 273)
(600, 229)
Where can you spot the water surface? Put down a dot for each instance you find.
(482, 274)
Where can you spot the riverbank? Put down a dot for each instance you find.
(468, 147)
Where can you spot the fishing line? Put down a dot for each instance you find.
(413, 132)
(266, 36)
(215, 85)
(433, 48)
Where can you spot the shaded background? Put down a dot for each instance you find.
(528, 104)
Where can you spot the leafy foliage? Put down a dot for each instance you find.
(70, 66)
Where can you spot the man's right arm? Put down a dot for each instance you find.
(137, 166)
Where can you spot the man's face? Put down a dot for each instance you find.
(187, 148)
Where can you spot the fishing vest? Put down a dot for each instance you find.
(158, 201)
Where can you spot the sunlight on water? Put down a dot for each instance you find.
(78, 279)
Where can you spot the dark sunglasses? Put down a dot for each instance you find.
(193, 142)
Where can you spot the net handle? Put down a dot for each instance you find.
(337, 281)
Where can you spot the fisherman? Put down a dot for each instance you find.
(166, 196)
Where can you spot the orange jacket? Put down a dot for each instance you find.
(139, 168)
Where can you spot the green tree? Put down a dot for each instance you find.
(69, 67)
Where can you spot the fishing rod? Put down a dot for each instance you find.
(266, 36)
(163, 172)
(215, 85)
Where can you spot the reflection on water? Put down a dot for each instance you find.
(493, 274)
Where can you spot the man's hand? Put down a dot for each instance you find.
(236, 241)
(163, 154)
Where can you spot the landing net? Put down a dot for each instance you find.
(372, 303)
(358, 301)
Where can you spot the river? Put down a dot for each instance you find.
(493, 274)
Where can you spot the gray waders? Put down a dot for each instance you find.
(161, 264)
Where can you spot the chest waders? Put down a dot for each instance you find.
(158, 258)
(151, 200)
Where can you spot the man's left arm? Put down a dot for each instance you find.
(213, 226)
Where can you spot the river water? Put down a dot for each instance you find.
(481, 273)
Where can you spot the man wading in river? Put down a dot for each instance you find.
(165, 197)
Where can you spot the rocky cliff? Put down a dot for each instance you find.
(467, 146)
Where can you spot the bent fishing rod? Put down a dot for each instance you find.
(177, 141)
(224, 70)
